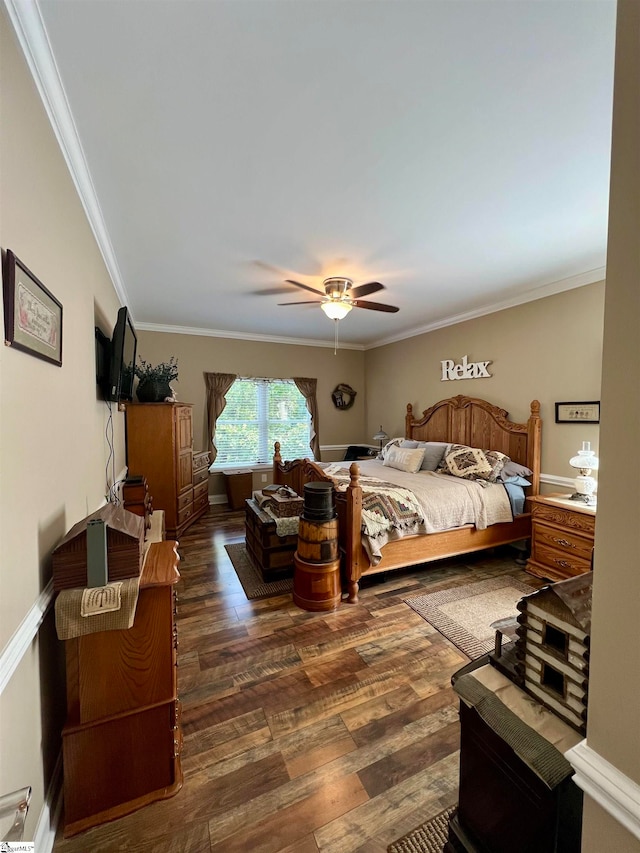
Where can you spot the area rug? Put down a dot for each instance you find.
(251, 579)
(429, 837)
(464, 613)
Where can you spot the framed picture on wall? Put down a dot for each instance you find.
(578, 413)
(32, 314)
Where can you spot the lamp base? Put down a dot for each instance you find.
(589, 500)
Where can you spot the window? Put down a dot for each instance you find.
(258, 413)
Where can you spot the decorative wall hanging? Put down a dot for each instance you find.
(343, 396)
(578, 413)
(464, 370)
(32, 315)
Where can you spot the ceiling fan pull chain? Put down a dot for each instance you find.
(335, 342)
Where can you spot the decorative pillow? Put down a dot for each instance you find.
(409, 444)
(404, 459)
(472, 463)
(514, 469)
(434, 452)
(394, 442)
(512, 481)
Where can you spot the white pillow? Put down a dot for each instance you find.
(404, 459)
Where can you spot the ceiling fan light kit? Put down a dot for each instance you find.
(340, 296)
(336, 309)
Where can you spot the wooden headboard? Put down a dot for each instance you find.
(477, 423)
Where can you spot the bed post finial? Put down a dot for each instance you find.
(276, 456)
(354, 472)
(535, 408)
(408, 420)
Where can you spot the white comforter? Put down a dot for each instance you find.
(445, 502)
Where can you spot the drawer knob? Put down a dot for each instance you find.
(563, 564)
(564, 542)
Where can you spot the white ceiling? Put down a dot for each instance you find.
(455, 150)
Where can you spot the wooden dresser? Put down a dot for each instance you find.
(562, 533)
(122, 738)
(160, 448)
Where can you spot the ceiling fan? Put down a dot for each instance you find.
(340, 296)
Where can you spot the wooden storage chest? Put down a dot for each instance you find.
(271, 554)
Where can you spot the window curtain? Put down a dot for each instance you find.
(217, 385)
(307, 387)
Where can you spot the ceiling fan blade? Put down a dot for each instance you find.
(304, 286)
(310, 302)
(375, 306)
(366, 289)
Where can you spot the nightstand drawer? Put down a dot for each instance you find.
(565, 518)
(559, 564)
(571, 544)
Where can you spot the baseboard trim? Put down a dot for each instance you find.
(49, 818)
(24, 635)
(607, 786)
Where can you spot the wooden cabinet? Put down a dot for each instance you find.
(122, 739)
(562, 534)
(516, 790)
(160, 448)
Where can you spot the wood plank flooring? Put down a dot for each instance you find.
(303, 732)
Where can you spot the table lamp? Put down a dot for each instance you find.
(380, 436)
(586, 462)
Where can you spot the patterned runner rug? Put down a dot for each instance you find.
(464, 613)
(429, 837)
(251, 579)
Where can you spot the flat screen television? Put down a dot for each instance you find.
(122, 358)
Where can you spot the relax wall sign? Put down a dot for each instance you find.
(464, 370)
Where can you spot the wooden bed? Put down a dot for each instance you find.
(459, 420)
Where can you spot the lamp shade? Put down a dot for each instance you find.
(336, 310)
(585, 458)
(380, 435)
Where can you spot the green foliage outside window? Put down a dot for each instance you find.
(258, 413)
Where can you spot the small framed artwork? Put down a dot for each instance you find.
(32, 314)
(578, 413)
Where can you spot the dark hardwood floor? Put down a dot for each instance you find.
(334, 732)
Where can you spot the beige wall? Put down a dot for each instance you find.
(198, 354)
(614, 689)
(53, 451)
(549, 350)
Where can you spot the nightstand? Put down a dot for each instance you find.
(562, 534)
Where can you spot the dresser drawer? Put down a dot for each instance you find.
(185, 499)
(201, 476)
(185, 513)
(570, 543)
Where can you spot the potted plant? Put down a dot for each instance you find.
(153, 380)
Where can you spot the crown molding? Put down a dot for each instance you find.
(32, 36)
(549, 289)
(243, 336)
(29, 26)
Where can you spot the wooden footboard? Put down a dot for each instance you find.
(459, 420)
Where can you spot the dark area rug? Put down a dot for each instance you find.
(251, 579)
(429, 837)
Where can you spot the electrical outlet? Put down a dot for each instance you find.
(263, 478)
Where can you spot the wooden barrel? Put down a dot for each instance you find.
(318, 540)
(318, 501)
(316, 586)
